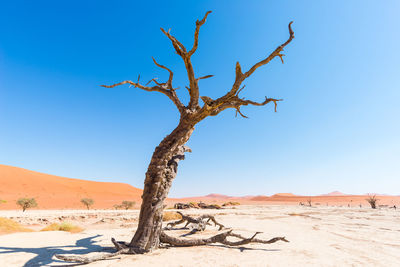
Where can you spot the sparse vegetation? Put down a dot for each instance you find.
(9, 226)
(27, 203)
(88, 202)
(2, 201)
(171, 215)
(125, 205)
(128, 204)
(117, 206)
(372, 201)
(230, 203)
(309, 202)
(64, 226)
(199, 205)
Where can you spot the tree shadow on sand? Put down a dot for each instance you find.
(44, 255)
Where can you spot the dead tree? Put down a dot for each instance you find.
(372, 201)
(164, 162)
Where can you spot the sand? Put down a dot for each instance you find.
(55, 192)
(319, 236)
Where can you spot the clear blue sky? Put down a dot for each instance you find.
(337, 129)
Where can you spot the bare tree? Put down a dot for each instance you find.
(164, 162)
(372, 201)
(127, 204)
(88, 202)
(309, 202)
(27, 203)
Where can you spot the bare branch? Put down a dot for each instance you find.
(155, 81)
(196, 33)
(88, 259)
(231, 99)
(204, 77)
(181, 51)
(272, 55)
(179, 48)
(199, 220)
(171, 74)
(219, 238)
(158, 88)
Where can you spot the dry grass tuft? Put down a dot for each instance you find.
(171, 215)
(231, 203)
(64, 226)
(9, 226)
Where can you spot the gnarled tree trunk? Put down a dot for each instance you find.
(160, 173)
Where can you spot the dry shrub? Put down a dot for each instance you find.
(171, 215)
(9, 226)
(372, 201)
(64, 226)
(27, 203)
(231, 203)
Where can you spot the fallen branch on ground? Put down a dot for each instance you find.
(200, 221)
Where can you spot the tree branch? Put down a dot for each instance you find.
(160, 87)
(186, 56)
(199, 220)
(171, 74)
(230, 99)
(219, 238)
(196, 33)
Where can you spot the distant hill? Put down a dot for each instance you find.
(284, 195)
(217, 196)
(334, 193)
(55, 192)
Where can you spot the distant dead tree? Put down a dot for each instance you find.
(309, 202)
(27, 203)
(372, 201)
(88, 202)
(128, 204)
(117, 206)
(163, 166)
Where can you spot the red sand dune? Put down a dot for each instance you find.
(284, 195)
(55, 192)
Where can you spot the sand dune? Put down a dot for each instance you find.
(53, 192)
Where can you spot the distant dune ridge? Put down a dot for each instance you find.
(55, 192)
(334, 193)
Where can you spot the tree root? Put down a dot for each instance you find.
(121, 247)
(201, 222)
(125, 248)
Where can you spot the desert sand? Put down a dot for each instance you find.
(337, 230)
(55, 192)
(319, 236)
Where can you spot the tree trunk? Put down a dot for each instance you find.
(160, 173)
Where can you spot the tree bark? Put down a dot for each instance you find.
(160, 173)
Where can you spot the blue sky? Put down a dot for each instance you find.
(337, 128)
